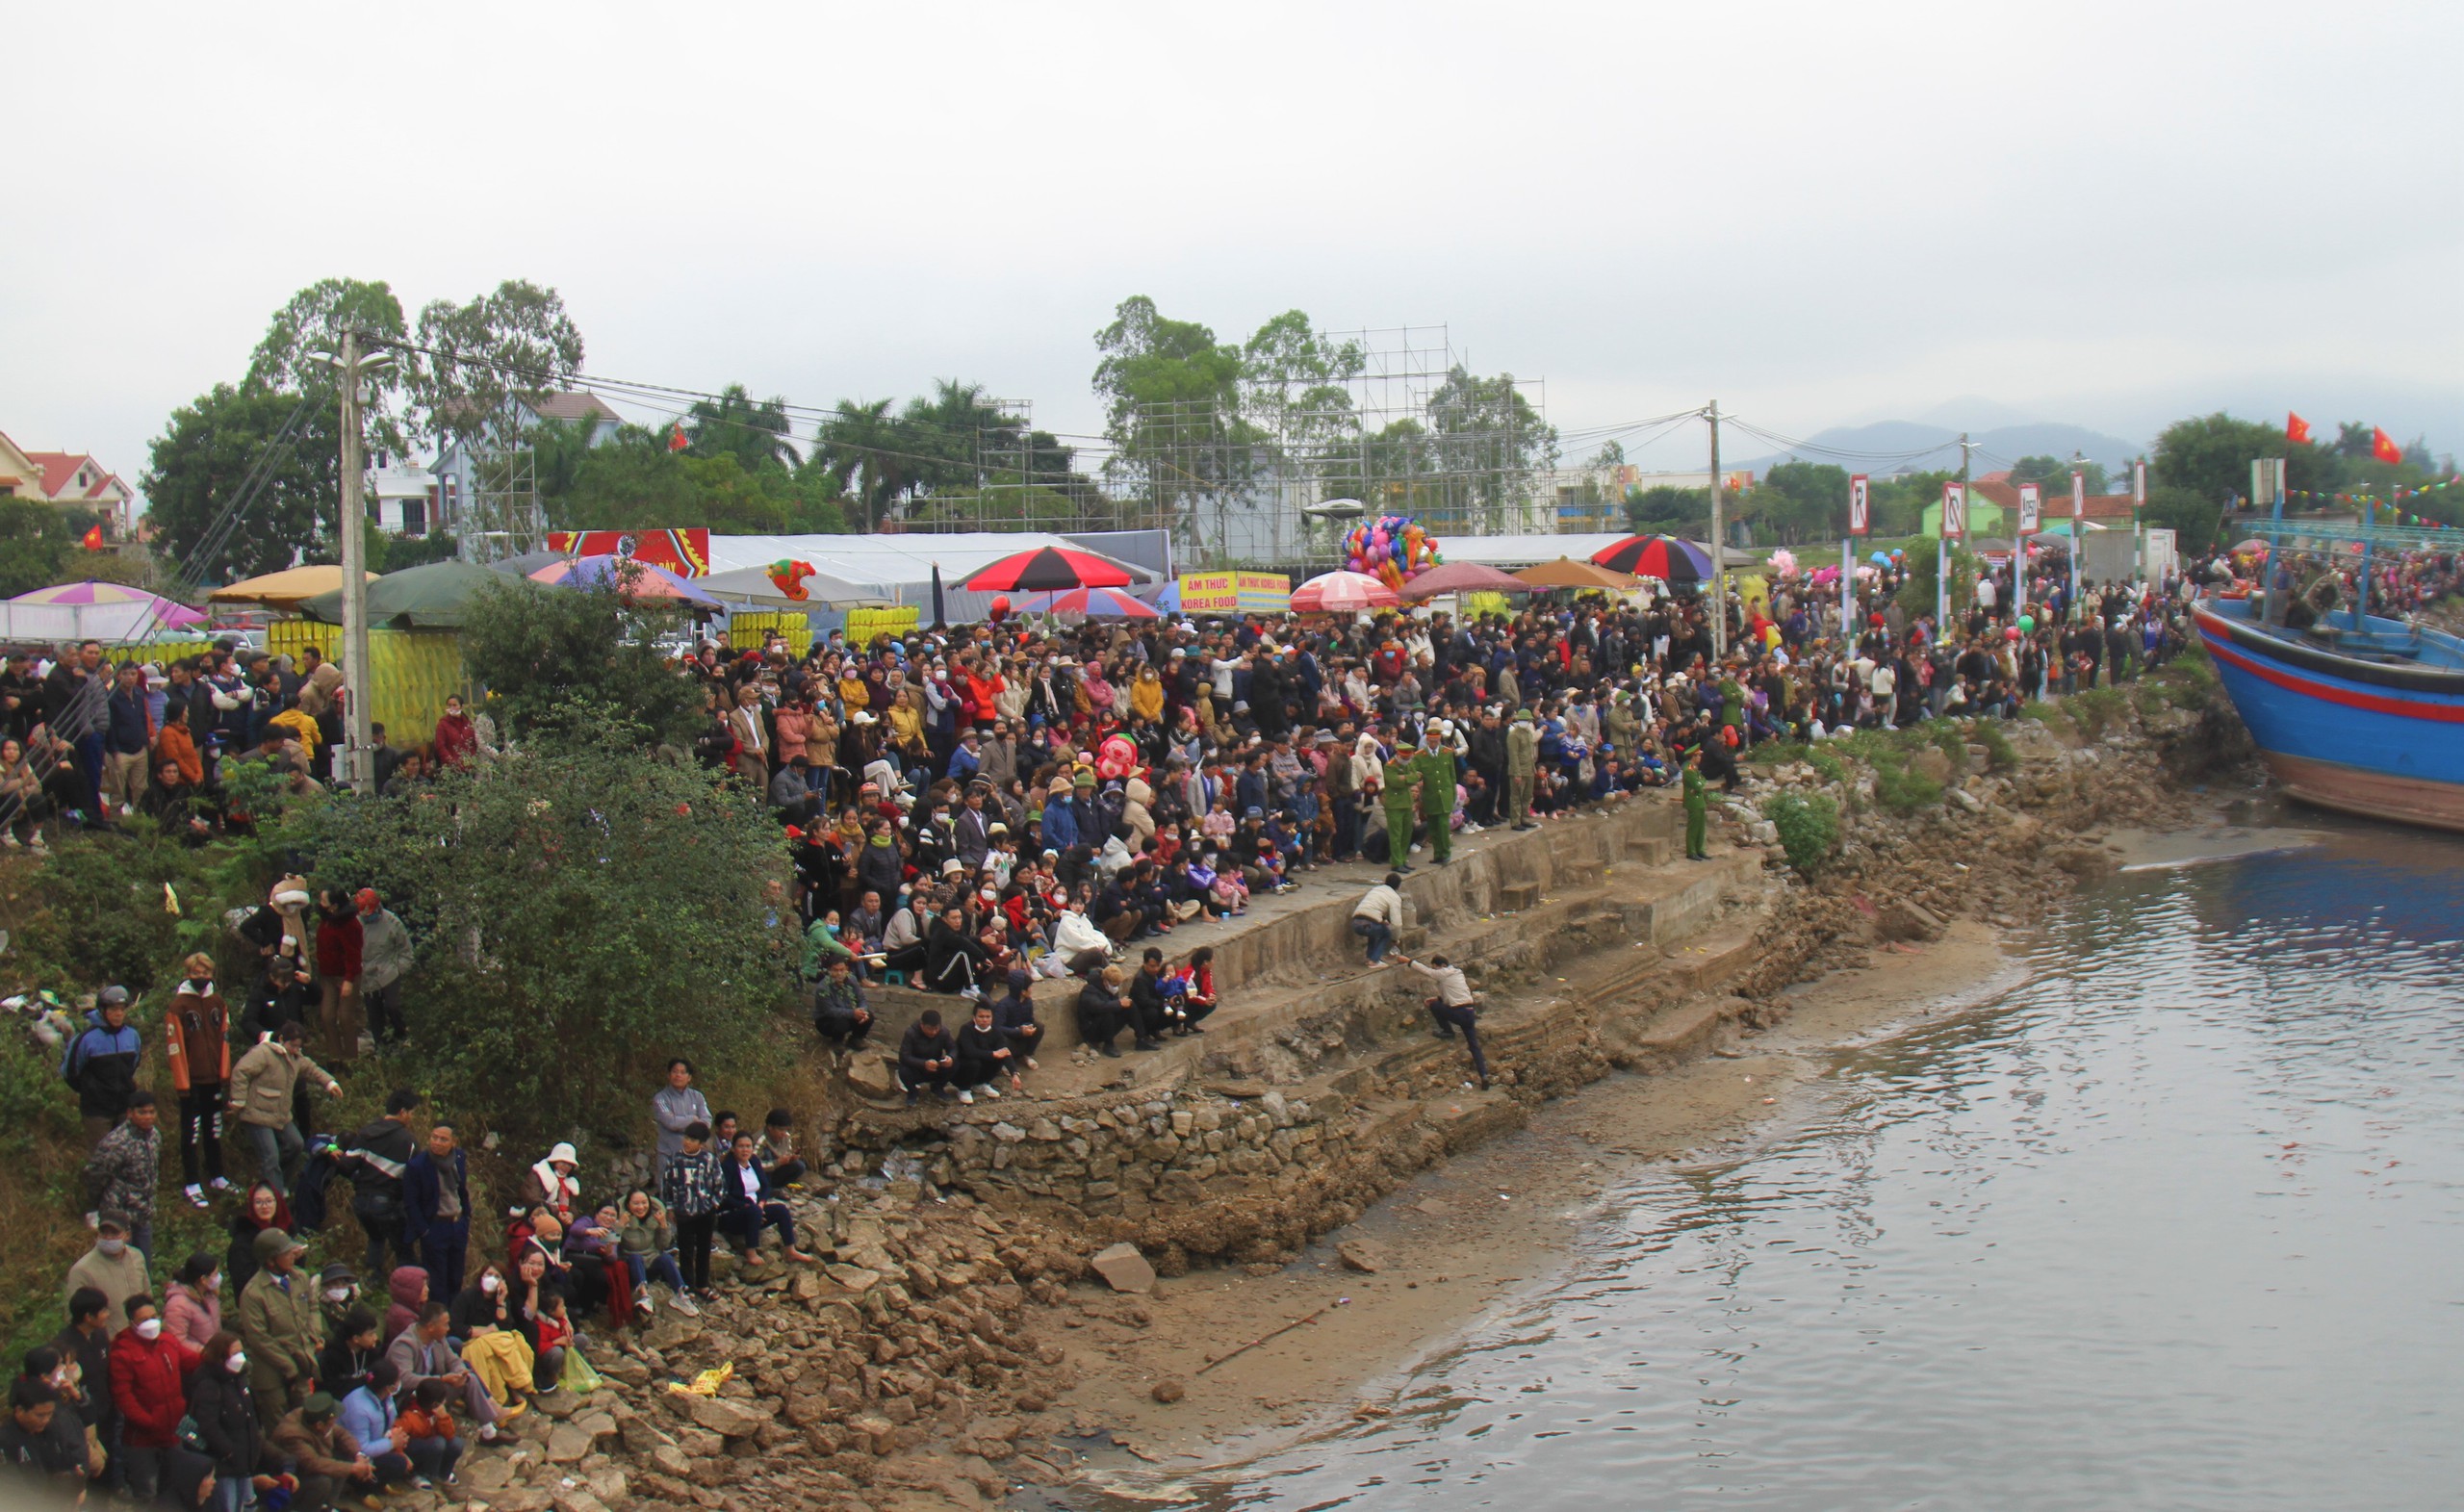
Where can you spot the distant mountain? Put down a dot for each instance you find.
(1885, 446)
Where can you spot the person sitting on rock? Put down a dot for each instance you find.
(984, 1058)
(1103, 1009)
(927, 1057)
(839, 1014)
(1014, 1016)
(748, 1204)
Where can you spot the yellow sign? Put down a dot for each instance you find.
(862, 624)
(1235, 592)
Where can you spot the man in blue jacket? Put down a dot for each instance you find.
(436, 1206)
(101, 1065)
(128, 736)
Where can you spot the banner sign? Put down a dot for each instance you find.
(2078, 496)
(1235, 592)
(1860, 507)
(1953, 510)
(683, 553)
(2139, 485)
(2031, 509)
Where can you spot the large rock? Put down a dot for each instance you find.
(855, 1278)
(1124, 1270)
(1362, 1255)
(731, 1419)
(1902, 919)
(568, 1445)
(873, 1076)
(485, 1475)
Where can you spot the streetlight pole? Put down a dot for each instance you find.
(357, 769)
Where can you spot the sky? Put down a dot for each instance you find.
(2105, 214)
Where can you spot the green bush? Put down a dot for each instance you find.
(1808, 826)
(2095, 711)
(582, 911)
(1998, 755)
(1903, 791)
(1828, 765)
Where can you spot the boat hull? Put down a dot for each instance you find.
(2366, 738)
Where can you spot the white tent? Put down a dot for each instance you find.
(822, 591)
(1510, 551)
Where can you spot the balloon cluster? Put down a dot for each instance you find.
(1392, 548)
(790, 576)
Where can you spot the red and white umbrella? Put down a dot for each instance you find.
(1047, 569)
(1343, 593)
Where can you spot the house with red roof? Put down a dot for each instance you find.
(67, 480)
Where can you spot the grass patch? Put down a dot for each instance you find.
(1998, 755)
(1826, 765)
(2095, 710)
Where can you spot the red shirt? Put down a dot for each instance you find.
(338, 942)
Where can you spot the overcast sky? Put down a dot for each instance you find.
(1819, 213)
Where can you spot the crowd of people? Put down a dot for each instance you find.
(979, 813)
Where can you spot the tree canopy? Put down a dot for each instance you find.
(543, 654)
(205, 460)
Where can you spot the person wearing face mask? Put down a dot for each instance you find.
(150, 1371)
(281, 1325)
(193, 1303)
(337, 1296)
(114, 1268)
(121, 1172)
(225, 1414)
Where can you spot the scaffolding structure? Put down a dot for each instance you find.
(502, 517)
(1396, 424)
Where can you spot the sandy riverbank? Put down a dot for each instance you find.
(1456, 1238)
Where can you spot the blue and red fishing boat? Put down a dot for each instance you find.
(2356, 713)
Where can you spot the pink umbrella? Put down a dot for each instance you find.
(1341, 592)
(162, 611)
(639, 581)
(1462, 578)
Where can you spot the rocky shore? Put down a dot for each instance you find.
(1005, 1286)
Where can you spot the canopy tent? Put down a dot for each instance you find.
(427, 598)
(821, 590)
(1512, 552)
(102, 611)
(643, 582)
(1462, 578)
(287, 589)
(901, 566)
(1567, 573)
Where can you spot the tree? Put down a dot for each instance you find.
(864, 450)
(1173, 411)
(1294, 386)
(737, 426)
(2211, 455)
(306, 333)
(632, 481)
(541, 653)
(2052, 474)
(584, 911)
(514, 343)
(1487, 432)
(1801, 501)
(1663, 509)
(2192, 516)
(35, 541)
(212, 448)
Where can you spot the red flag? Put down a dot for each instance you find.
(2383, 448)
(2296, 430)
(93, 541)
(676, 441)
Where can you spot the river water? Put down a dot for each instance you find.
(2179, 1222)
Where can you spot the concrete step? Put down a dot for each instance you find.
(1468, 1119)
(1684, 1033)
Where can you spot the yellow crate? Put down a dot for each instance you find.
(747, 629)
(414, 673)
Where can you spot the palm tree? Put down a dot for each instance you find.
(866, 448)
(736, 426)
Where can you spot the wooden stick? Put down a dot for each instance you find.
(1263, 1337)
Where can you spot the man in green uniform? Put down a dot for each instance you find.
(1698, 803)
(1521, 759)
(1436, 766)
(1397, 799)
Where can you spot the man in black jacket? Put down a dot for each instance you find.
(1014, 1016)
(1150, 1013)
(1102, 1011)
(927, 1057)
(377, 1154)
(984, 1058)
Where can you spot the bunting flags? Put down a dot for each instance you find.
(2296, 430)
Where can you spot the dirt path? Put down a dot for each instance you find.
(1452, 1242)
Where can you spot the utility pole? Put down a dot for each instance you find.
(357, 768)
(1942, 551)
(1719, 591)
